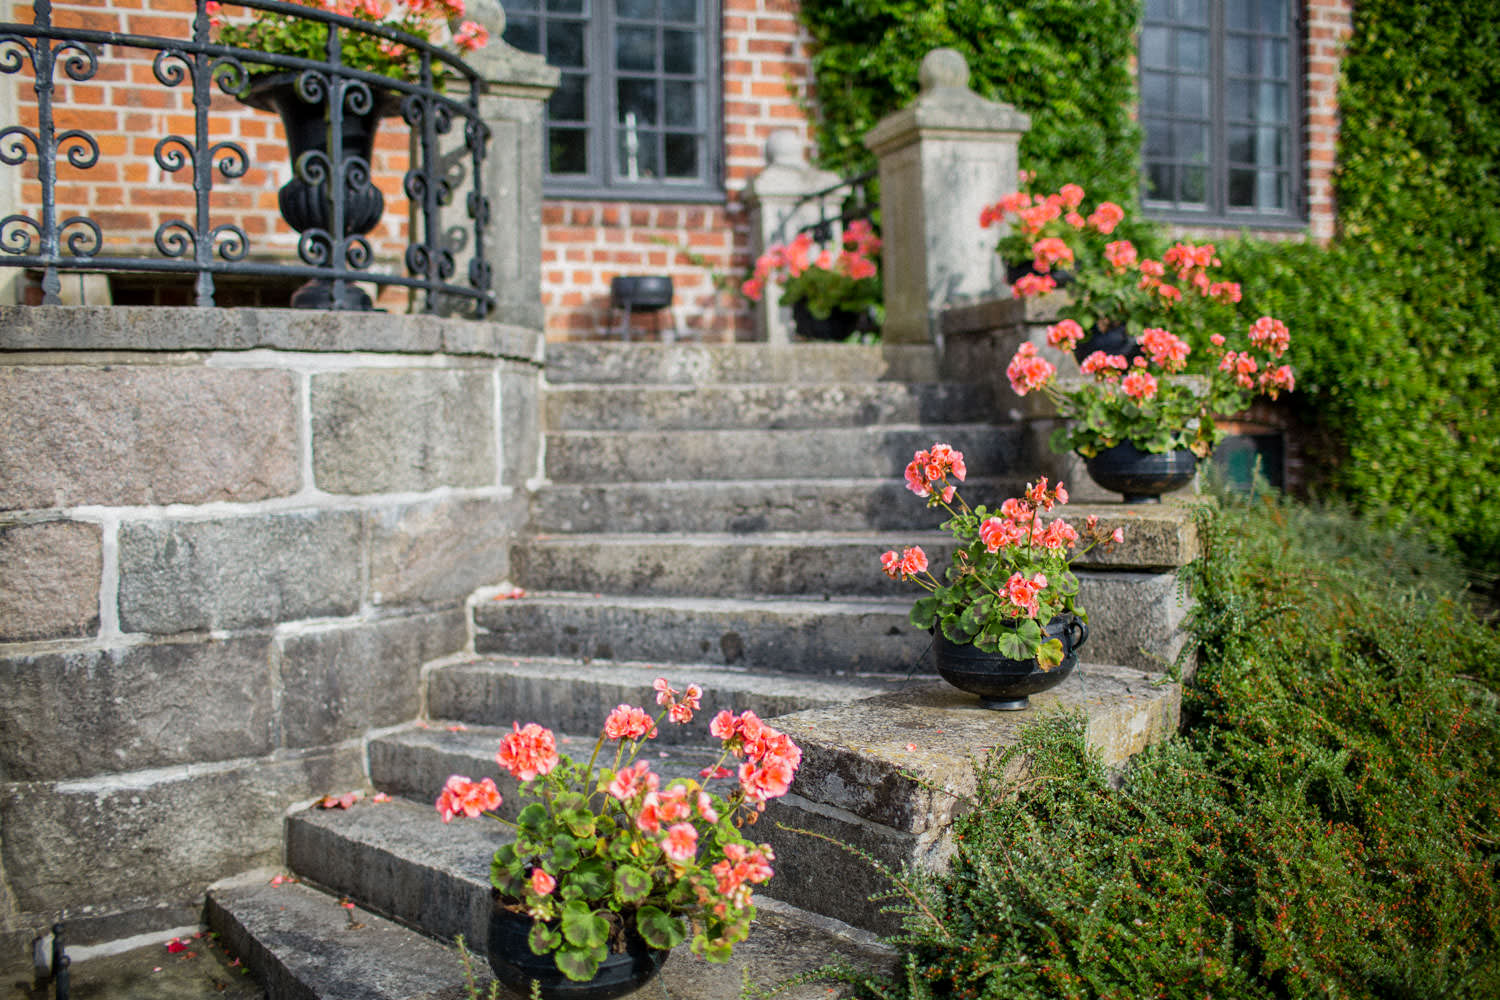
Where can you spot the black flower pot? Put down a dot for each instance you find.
(1002, 683)
(1140, 475)
(516, 966)
(838, 326)
(1115, 340)
(306, 204)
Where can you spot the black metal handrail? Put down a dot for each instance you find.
(205, 247)
(854, 205)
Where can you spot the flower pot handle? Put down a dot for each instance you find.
(1083, 632)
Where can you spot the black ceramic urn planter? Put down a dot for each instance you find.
(1003, 683)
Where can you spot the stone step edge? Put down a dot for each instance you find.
(268, 927)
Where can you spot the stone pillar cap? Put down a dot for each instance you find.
(946, 108)
(501, 63)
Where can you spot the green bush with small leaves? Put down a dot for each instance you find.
(1327, 825)
(1066, 62)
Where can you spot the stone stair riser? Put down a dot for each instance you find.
(764, 407)
(708, 364)
(873, 453)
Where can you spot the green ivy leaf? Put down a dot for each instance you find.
(659, 929)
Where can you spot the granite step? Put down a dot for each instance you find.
(574, 697)
(743, 506)
(776, 406)
(849, 637)
(303, 944)
(401, 861)
(709, 364)
(813, 453)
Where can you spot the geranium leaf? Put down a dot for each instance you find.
(580, 964)
(924, 612)
(582, 926)
(1013, 646)
(659, 929)
(564, 852)
(631, 884)
(592, 878)
(542, 938)
(533, 818)
(1049, 654)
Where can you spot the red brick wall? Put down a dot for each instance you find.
(1328, 26)
(586, 243)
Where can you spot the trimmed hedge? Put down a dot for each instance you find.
(1066, 62)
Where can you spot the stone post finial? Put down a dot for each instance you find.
(944, 69)
(943, 158)
(784, 149)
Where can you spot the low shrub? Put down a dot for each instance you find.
(1325, 826)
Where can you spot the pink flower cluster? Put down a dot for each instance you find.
(1034, 212)
(1139, 385)
(770, 758)
(1104, 367)
(1018, 521)
(741, 868)
(908, 564)
(1024, 593)
(930, 469)
(1166, 350)
(854, 261)
(627, 722)
(679, 710)
(527, 752)
(460, 795)
(1028, 370)
(1064, 335)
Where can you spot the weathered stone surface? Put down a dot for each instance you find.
(49, 588)
(302, 942)
(440, 550)
(837, 452)
(1157, 536)
(573, 697)
(382, 430)
(145, 434)
(145, 328)
(339, 681)
(69, 715)
(160, 835)
(178, 576)
(520, 426)
(698, 364)
(1135, 619)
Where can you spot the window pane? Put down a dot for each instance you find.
(680, 10)
(1273, 15)
(1269, 151)
(1158, 10)
(1239, 55)
(1159, 182)
(1192, 12)
(523, 32)
(1239, 14)
(1156, 90)
(1241, 189)
(1192, 96)
(1194, 186)
(1270, 190)
(565, 6)
(514, 5)
(567, 151)
(1271, 106)
(1241, 145)
(1237, 95)
(637, 97)
(638, 158)
(565, 43)
(681, 100)
(1158, 139)
(568, 101)
(1192, 51)
(635, 49)
(1191, 142)
(1154, 48)
(680, 52)
(682, 156)
(644, 10)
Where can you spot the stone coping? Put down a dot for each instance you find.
(155, 328)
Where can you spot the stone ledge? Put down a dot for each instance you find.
(148, 328)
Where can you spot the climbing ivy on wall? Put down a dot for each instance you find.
(1065, 62)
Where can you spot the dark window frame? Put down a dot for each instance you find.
(601, 20)
(1217, 211)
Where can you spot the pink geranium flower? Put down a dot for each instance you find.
(527, 752)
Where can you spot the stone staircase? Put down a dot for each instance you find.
(712, 514)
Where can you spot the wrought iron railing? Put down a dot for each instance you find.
(440, 106)
(853, 202)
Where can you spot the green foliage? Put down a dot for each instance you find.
(1066, 62)
(1326, 826)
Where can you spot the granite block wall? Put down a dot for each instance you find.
(229, 540)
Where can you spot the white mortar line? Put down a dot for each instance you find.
(109, 580)
(313, 361)
(300, 501)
